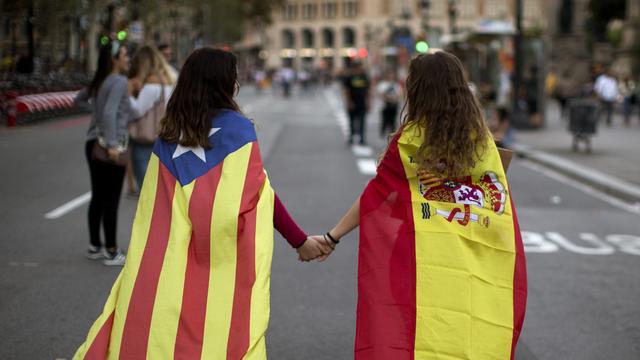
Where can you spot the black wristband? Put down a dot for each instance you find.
(332, 239)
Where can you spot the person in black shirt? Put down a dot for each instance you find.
(356, 94)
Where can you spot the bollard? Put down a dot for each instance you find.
(12, 114)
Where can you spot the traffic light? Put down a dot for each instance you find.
(422, 46)
(122, 34)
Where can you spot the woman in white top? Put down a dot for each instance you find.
(153, 83)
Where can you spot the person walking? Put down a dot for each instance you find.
(606, 88)
(106, 148)
(196, 281)
(152, 82)
(441, 267)
(628, 92)
(356, 92)
(390, 92)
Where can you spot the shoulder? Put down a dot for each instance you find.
(119, 79)
(234, 127)
(233, 120)
(120, 82)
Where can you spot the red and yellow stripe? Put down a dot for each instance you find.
(196, 281)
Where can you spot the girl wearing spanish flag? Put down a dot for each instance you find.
(441, 268)
(195, 284)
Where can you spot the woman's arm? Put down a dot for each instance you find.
(286, 226)
(147, 98)
(110, 122)
(82, 97)
(349, 221)
(307, 249)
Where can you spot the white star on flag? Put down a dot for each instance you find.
(197, 151)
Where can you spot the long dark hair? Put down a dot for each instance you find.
(440, 101)
(107, 54)
(206, 85)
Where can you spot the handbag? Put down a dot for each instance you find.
(145, 129)
(99, 153)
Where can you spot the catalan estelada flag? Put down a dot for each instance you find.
(196, 281)
(441, 270)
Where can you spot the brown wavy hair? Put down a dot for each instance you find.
(206, 86)
(441, 103)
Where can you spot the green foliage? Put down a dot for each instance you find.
(601, 13)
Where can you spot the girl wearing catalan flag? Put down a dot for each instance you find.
(441, 268)
(195, 284)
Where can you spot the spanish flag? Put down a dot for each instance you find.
(196, 281)
(441, 272)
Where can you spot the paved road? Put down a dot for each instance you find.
(583, 252)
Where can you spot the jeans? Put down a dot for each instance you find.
(140, 155)
(357, 123)
(606, 107)
(389, 113)
(106, 186)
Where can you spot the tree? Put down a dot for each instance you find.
(601, 13)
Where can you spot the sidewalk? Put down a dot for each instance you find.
(613, 166)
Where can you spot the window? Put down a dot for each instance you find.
(288, 39)
(531, 9)
(495, 9)
(290, 12)
(437, 8)
(308, 38)
(327, 38)
(401, 8)
(329, 9)
(309, 11)
(348, 37)
(466, 8)
(350, 8)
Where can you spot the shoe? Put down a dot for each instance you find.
(94, 253)
(114, 259)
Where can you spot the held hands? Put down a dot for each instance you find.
(315, 247)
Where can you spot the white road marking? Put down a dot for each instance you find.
(341, 117)
(585, 244)
(68, 207)
(362, 151)
(632, 208)
(367, 166)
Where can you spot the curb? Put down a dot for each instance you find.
(608, 184)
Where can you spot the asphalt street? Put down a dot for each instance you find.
(583, 252)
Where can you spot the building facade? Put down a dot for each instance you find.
(330, 32)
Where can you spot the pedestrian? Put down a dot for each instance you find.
(152, 82)
(390, 92)
(532, 95)
(441, 262)
(106, 148)
(196, 281)
(501, 127)
(167, 53)
(356, 92)
(628, 92)
(287, 77)
(606, 88)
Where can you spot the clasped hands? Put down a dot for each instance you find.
(316, 247)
